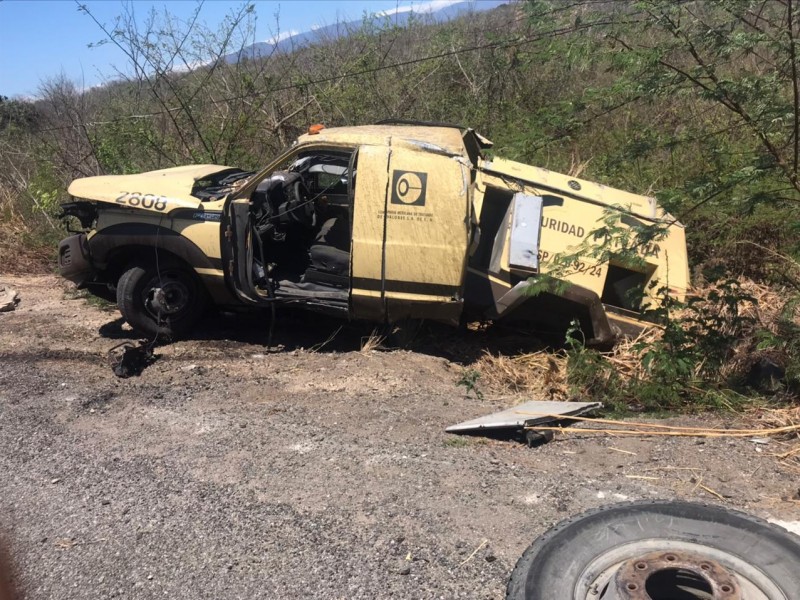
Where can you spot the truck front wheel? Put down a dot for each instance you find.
(164, 300)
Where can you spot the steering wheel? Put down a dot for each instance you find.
(305, 205)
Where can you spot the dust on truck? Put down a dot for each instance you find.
(380, 223)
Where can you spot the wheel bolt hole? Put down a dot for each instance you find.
(632, 586)
(705, 567)
(670, 557)
(641, 566)
(726, 588)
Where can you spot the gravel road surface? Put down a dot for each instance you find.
(320, 471)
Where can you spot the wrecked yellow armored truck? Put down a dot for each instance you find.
(380, 223)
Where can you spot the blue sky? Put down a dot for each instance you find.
(40, 39)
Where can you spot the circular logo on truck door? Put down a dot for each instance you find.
(408, 187)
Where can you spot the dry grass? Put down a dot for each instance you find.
(627, 354)
(22, 247)
(783, 417)
(373, 342)
(544, 373)
(767, 314)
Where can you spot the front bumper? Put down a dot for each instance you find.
(74, 260)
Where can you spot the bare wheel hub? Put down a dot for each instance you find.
(672, 576)
(169, 299)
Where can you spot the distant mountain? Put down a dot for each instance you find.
(437, 11)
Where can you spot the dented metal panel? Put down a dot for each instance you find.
(644, 206)
(572, 209)
(158, 191)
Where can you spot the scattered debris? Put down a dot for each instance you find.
(525, 419)
(9, 298)
(129, 359)
(67, 543)
(474, 552)
(714, 493)
(621, 450)
(535, 438)
(783, 417)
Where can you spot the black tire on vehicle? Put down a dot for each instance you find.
(163, 302)
(576, 559)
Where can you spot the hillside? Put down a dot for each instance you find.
(292, 41)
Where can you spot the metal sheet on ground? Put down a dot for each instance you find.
(525, 415)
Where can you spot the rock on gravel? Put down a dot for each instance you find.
(9, 298)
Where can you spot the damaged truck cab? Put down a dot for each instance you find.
(379, 223)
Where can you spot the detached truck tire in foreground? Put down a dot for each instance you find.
(380, 223)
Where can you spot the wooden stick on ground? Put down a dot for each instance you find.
(710, 433)
(474, 552)
(771, 431)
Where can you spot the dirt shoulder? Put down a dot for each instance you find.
(324, 472)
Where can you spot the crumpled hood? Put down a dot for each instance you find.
(165, 189)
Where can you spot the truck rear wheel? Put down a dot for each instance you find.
(661, 551)
(161, 302)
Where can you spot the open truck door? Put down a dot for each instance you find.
(237, 250)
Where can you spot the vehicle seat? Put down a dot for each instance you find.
(330, 254)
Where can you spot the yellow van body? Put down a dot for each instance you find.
(429, 228)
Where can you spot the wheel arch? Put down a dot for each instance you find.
(116, 247)
(125, 238)
(120, 259)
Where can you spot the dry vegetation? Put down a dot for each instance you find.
(789, 453)
(694, 102)
(763, 314)
(26, 237)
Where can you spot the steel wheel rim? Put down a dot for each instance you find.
(596, 576)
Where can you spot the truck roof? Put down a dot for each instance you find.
(454, 140)
(448, 140)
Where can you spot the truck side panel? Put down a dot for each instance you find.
(427, 233)
(369, 223)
